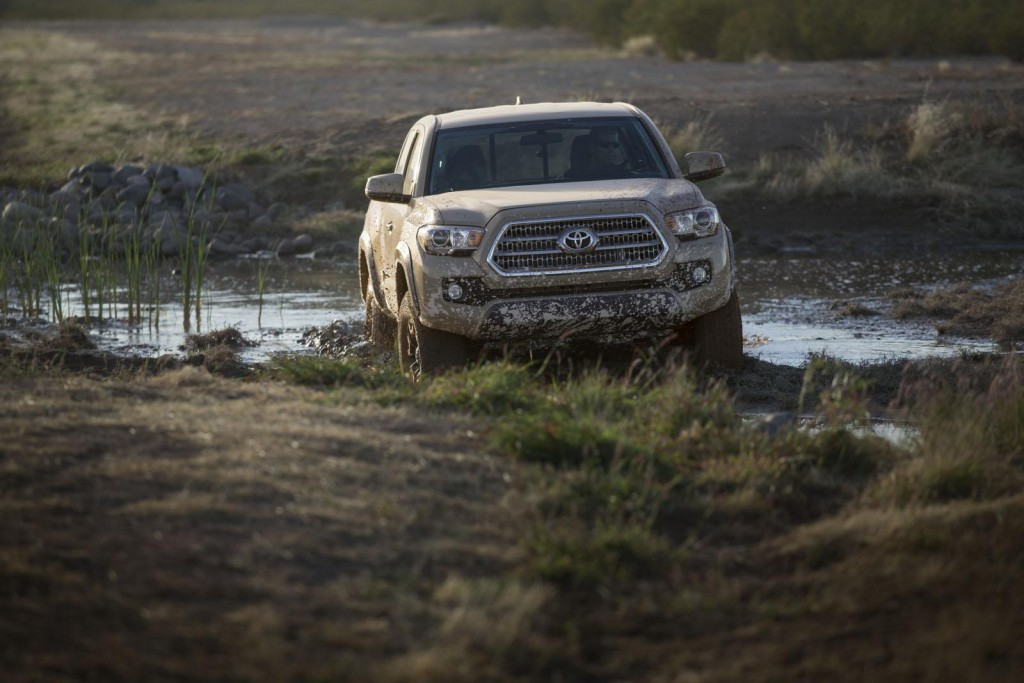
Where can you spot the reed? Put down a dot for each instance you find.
(132, 250)
(261, 281)
(152, 265)
(6, 268)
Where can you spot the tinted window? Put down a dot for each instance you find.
(541, 152)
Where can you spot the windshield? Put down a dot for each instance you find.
(539, 152)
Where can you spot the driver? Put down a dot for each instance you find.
(606, 149)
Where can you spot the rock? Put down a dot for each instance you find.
(126, 172)
(254, 210)
(277, 210)
(212, 221)
(19, 213)
(100, 181)
(264, 222)
(32, 198)
(165, 183)
(164, 219)
(251, 245)
(70, 235)
(296, 245)
(285, 247)
(176, 191)
(72, 187)
(73, 213)
(108, 198)
(237, 218)
(124, 214)
(192, 177)
(234, 196)
(95, 167)
(222, 247)
(135, 193)
(62, 200)
(162, 171)
(95, 211)
(172, 242)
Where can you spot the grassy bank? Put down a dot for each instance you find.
(955, 165)
(511, 522)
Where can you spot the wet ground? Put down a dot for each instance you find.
(793, 305)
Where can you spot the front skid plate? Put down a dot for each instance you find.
(629, 315)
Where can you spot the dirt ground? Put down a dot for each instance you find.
(357, 85)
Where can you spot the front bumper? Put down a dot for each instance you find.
(597, 307)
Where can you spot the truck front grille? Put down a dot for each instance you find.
(532, 247)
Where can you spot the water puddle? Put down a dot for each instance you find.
(789, 305)
(298, 294)
(794, 306)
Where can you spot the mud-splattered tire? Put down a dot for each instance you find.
(423, 350)
(718, 336)
(379, 328)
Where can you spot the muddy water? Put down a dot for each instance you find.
(794, 304)
(790, 305)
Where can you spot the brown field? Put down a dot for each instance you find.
(175, 525)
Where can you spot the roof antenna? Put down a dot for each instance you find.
(519, 100)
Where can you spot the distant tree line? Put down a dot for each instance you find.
(711, 29)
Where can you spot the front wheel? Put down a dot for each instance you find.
(718, 336)
(379, 328)
(424, 350)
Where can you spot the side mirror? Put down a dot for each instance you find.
(704, 166)
(387, 188)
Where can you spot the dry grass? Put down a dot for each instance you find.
(195, 527)
(968, 311)
(700, 134)
(960, 160)
(65, 109)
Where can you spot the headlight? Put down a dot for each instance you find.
(443, 240)
(700, 222)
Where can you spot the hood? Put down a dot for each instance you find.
(478, 207)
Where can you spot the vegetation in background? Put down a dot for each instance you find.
(721, 29)
(964, 160)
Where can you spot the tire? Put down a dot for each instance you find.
(423, 350)
(718, 336)
(379, 328)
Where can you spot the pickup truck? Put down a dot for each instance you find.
(540, 223)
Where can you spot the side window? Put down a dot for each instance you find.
(412, 165)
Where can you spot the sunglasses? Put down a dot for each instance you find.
(608, 145)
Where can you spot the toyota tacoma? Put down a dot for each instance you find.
(545, 222)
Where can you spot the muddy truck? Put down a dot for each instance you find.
(542, 223)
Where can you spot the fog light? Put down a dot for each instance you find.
(700, 275)
(454, 291)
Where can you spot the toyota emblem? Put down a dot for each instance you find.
(578, 241)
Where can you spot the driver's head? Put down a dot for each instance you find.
(607, 148)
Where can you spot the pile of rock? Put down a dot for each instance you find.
(160, 204)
